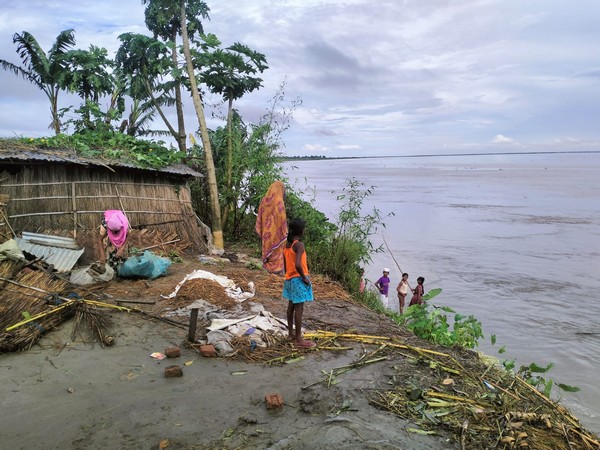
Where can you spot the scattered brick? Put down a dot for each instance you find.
(172, 352)
(274, 401)
(208, 350)
(173, 371)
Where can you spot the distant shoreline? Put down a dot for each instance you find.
(318, 158)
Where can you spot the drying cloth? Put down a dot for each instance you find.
(271, 226)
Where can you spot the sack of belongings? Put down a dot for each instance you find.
(147, 265)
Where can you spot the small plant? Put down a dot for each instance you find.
(532, 374)
(348, 245)
(253, 265)
(174, 257)
(431, 323)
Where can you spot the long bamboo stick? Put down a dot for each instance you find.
(39, 316)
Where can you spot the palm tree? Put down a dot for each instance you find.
(231, 73)
(46, 71)
(163, 19)
(88, 73)
(142, 60)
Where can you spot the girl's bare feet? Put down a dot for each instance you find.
(304, 344)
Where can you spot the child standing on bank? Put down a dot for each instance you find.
(297, 288)
(419, 291)
(383, 284)
(402, 290)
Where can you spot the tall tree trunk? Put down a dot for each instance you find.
(159, 109)
(217, 229)
(181, 137)
(229, 163)
(54, 110)
(229, 143)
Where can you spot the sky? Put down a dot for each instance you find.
(375, 78)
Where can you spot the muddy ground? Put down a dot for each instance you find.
(69, 393)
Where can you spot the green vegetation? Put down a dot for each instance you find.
(429, 322)
(106, 145)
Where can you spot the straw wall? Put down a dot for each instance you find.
(68, 199)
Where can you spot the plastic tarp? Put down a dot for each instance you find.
(10, 250)
(148, 265)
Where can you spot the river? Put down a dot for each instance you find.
(512, 239)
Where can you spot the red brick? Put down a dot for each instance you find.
(172, 352)
(274, 401)
(173, 371)
(208, 350)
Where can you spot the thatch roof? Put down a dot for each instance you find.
(15, 155)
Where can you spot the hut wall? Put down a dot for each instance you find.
(68, 199)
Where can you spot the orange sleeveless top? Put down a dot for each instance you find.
(290, 262)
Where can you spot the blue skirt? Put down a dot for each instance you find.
(296, 291)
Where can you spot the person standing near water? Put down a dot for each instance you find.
(419, 291)
(271, 226)
(383, 284)
(402, 290)
(297, 288)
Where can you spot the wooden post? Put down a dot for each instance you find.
(74, 205)
(193, 323)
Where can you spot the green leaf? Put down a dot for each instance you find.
(548, 388)
(533, 367)
(567, 388)
(432, 293)
(502, 349)
(493, 339)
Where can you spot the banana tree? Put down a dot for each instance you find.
(46, 71)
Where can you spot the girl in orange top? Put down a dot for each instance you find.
(297, 288)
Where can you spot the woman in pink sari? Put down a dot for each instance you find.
(271, 226)
(113, 238)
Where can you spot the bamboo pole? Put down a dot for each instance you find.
(66, 197)
(39, 316)
(74, 204)
(62, 183)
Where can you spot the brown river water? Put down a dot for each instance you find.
(512, 239)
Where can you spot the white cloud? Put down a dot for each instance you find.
(500, 139)
(386, 75)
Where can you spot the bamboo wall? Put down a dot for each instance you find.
(69, 199)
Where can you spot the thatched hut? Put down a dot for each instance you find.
(59, 193)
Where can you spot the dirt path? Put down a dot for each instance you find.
(63, 394)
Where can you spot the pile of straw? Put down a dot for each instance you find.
(25, 295)
(483, 406)
(323, 288)
(32, 303)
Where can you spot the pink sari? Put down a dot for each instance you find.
(117, 226)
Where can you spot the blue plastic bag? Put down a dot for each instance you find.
(147, 265)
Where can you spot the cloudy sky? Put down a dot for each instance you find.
(385, 77)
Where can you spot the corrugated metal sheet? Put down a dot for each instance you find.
(63, 156)
(62, 253)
